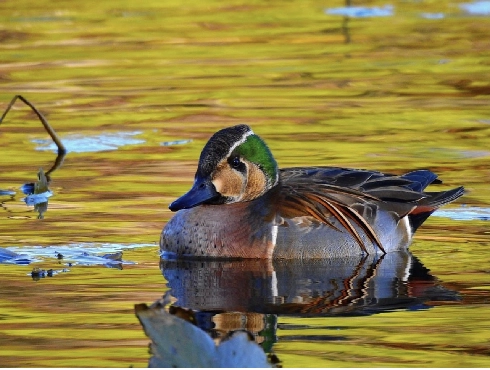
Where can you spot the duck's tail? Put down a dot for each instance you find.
(433, 201)
(420, 179)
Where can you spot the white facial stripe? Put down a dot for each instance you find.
(240, 142)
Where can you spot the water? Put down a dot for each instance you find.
(136, 90)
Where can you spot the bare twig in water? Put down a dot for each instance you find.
(47, 126)
(49, 129)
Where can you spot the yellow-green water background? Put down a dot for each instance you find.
(405, 92)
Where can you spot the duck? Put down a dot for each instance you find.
(242, 205)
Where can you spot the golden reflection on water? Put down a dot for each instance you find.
(405, 92)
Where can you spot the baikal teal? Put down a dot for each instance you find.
(242, 206)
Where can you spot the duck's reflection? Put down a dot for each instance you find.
(248, 294)
(354, 285)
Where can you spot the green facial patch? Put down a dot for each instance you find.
(255, 150)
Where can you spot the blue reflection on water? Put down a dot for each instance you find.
(477, 7)
(432, 15)
(7, 192)
(10, 257)
(86, 144)
(362, 11)
(465, 213)
(105, 254)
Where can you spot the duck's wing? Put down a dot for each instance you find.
(353, 197)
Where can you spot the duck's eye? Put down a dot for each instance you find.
(237, 164)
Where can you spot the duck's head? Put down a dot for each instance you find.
(235, 166)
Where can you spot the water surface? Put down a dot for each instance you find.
(135, 90)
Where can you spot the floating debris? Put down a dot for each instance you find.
(38, 194)
(38, 273)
